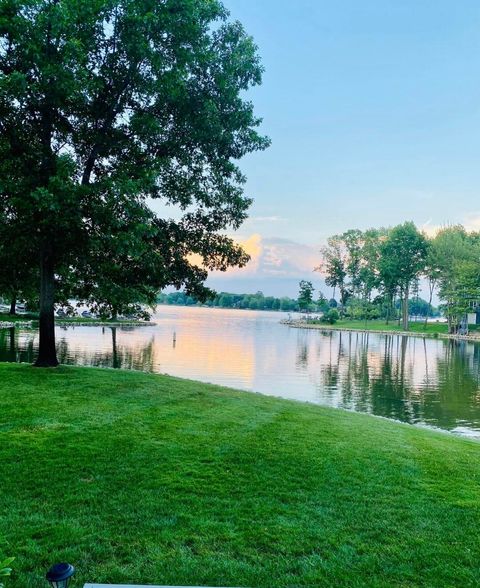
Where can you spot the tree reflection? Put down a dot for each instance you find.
(454, 399)
(21, 346)
(11, 350)
(415, 380)
(302, 350)
(405, 378)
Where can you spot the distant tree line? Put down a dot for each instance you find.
(377, 272)
(257, 301)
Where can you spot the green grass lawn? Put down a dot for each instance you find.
(139, 478)
(380, 325)
(18, 318)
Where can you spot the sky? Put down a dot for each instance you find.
(373, 109)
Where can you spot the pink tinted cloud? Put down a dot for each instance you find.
(276, 257)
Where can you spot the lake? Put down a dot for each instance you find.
(432, 382)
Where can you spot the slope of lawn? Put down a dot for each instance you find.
(139, 479)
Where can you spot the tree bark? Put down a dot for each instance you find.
(405, 311)
(431, 288)
(47, 353)
(389, 307)
(13, 306)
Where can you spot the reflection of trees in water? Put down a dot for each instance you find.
(302, 350)
(402, 377)
(392, 386)
(454, 398)
(384, 383)
(12, 351)
(139, 357)
(331, 371)
(125, 356)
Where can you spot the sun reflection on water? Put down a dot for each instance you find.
(425, 381)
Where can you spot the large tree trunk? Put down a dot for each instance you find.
(405, 311)
(389, 307)
(47, 354)
(13, 306)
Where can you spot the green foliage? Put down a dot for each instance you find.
(305, 295)
(457, 266)
(350, 262)
(322, 303)
(377, 268)
(419, 307)
(330, 317)
(18, 273)
(334, 266)
(403, 257)
(257, 301)
(358, 308)
(104, 105)
(5, 569)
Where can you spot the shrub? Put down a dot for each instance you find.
(330, 317)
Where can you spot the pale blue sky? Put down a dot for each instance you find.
(373, 108)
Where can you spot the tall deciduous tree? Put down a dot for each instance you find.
(105, 104)
(334, 266)
(433, 273)
(403, 257)
(305, 295)
(457, 259)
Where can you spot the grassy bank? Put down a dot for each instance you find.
(18, 318)
(418, 327)
(32, 318)
(413, 327)
(138, 478)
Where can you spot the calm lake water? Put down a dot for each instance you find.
(431, 382)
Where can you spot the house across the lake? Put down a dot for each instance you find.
(473, 315)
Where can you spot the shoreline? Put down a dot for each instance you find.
(30, 324)
(296, 324)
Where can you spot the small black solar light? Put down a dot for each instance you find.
(59, 575)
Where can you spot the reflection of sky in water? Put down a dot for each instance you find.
(431, 381)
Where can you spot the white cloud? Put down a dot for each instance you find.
(265, 219)
(276, 257)
(470, 221)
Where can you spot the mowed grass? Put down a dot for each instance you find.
(18, 318)
(393, 326)
(138, 478)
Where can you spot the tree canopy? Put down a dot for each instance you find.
(305, 295)
(382, 268)
(105, 107)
